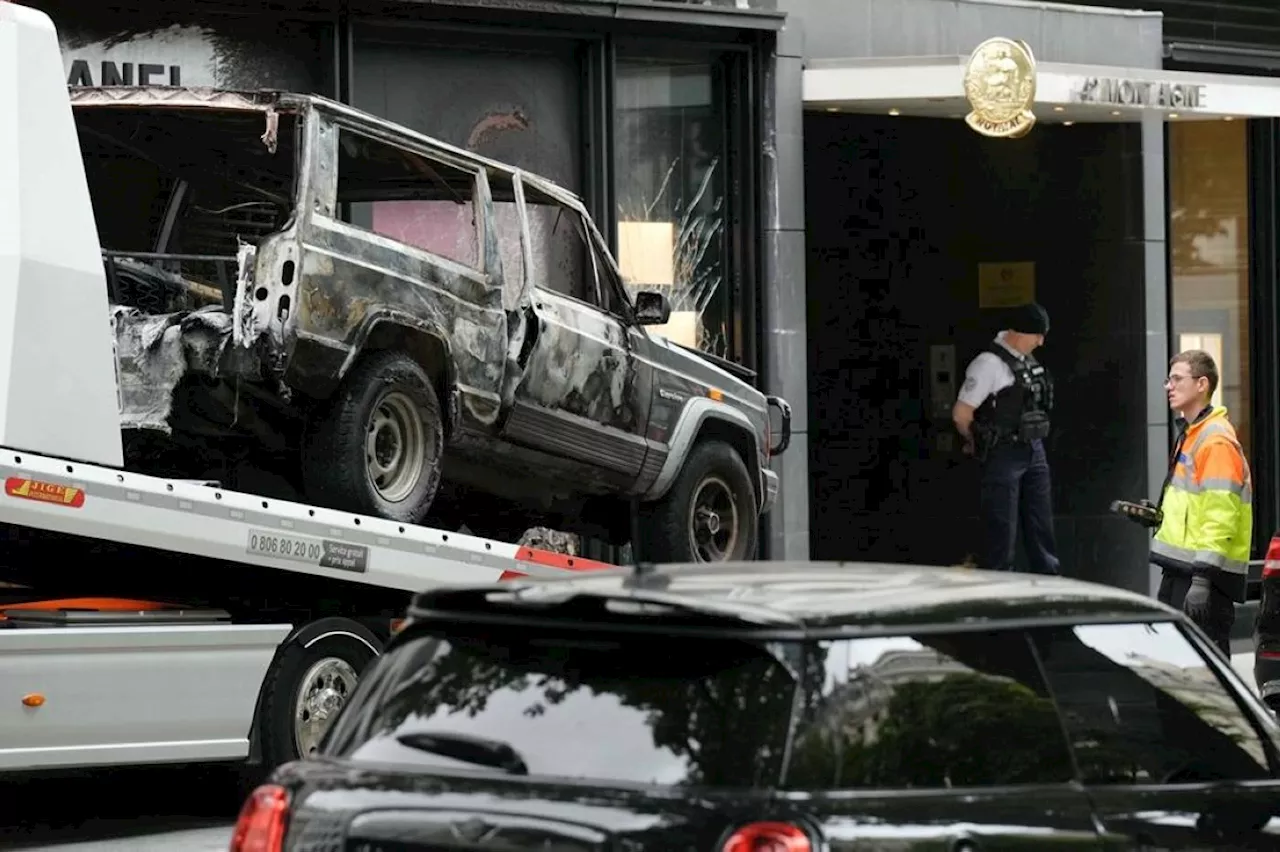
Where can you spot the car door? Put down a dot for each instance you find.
(577, 397)
(1171, 758)
(935, 741)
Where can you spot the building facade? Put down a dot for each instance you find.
(1139, 209)
(656, 112)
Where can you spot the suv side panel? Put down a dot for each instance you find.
(350, 278)
(583, 393)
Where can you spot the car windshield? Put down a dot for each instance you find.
(637, 709)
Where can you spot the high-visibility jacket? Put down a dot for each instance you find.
(1208, 506)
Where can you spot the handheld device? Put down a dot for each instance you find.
(1144, 512)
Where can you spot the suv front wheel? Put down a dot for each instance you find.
(709, 515)
(377, 448)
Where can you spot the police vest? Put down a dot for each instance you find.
(1019, 412)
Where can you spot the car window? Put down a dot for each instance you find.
(561, 262)
(927, 711)
(413, 199)
(636, 709)
(1142, 706)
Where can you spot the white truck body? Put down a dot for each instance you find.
(83, 685)
(131, 695)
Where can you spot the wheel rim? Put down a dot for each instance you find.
(324, 691)
(714, 527)
(396, 447)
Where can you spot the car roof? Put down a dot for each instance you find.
(268, 100)
(805, 596)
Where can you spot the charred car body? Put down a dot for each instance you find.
(400, 326)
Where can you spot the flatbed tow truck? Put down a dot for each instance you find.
(145, 620)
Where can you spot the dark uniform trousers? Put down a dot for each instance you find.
(1015, 494)
(1222, 610)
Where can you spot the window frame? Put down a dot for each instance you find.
(599, 262)
(608, 270)
(737, 75)
(480, 270)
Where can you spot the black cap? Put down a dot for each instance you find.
(1030, 318)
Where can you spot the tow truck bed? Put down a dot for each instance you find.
(86, 683)
(192, 518)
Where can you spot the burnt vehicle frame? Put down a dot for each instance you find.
(565, 408)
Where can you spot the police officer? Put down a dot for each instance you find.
(1002, 412)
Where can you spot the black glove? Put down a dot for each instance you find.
(1196, 603)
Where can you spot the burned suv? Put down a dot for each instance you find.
(401, 328)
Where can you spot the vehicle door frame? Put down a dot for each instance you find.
(541, 420)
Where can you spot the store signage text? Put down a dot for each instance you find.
(1118, 91)
(124, 74)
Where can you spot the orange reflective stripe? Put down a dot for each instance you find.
(563, 561)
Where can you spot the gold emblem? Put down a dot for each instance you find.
(1000, 84)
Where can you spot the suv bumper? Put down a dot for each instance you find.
(769, 479)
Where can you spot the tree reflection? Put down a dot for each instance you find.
(724, 709)
(960, 729)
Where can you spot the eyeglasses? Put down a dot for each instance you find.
(1175, 378)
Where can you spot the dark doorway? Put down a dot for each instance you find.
(901, 214)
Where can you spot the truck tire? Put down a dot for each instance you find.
(708, 515)
(377, 447)
(304, 691)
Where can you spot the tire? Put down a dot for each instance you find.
(673, 525)
(307, 685)
(387, 392)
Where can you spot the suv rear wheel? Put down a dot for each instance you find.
(377, 448)
(709, 515)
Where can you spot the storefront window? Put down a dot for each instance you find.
(1209, 248)
(669, 151)
(515, 100)
(512, 99)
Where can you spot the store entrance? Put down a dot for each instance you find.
(913, 225)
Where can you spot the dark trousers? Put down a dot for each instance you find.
(1222, 610)
(1015, 495)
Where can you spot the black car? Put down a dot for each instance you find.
(786, 707)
